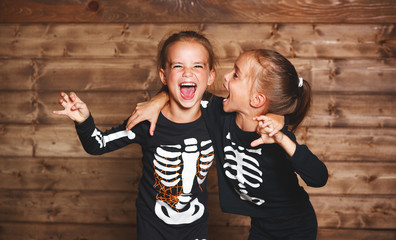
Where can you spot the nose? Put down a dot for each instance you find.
(226, 79)
(187, 72)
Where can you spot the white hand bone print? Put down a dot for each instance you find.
(241, 165)
(174, 164)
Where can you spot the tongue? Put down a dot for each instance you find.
(187, 92)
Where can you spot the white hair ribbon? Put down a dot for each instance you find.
(300, 82)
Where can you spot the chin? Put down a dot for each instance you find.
(226, 109)
(187, 103)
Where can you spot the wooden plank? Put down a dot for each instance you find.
(67, 11)
(119, 208)
(17, 74)
(355, 234)
(354, 76)
(18, 107)
(141, 40)
(85, 40)
(68, 207)
(134, 74)
(97, 74)
(78, 74)
(73, 174)
(16, 140)
(304, 40)
(338, 110)
(17, 231)
(349, 144)
(355, 212)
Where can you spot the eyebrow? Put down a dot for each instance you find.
(173, 63)
(237, 68)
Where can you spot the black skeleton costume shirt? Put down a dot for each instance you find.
(259, 181)
(176, 161)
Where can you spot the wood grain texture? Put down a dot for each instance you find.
(71, 174)
(67, 11)
(114, 174)
(105, 50)
(16, 140)
(350, 144)
(340, 76)
(141, 40)
(119, 208)
(18, 231)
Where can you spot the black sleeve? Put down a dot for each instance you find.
(96, 142)
(307, 165)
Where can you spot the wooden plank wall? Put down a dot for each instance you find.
(105, 50)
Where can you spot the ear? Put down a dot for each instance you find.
(162, 76)
(258, 100)
(212, 75)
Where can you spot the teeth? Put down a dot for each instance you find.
(188, 84)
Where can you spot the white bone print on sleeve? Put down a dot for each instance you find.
(103, 140)
(237, 161)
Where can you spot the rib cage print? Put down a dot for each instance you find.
(176, 167)
(241, 166)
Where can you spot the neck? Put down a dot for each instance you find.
(177, 114)
(246, 122)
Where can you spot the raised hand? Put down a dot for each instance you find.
(268, 130)
(148, 111)
(74, 108)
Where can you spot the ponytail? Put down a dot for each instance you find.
(303, 103)
(277, 78)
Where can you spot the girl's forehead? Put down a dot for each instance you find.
(244, 61)
(188, 49)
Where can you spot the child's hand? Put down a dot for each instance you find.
(266, 128)
(148, 111)
(278, 122)
(75, 109)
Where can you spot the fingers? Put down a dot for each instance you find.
(132, 121)
(273, 132)
(78, 106)
(261, 118)
(65, 98)
(66, 101)
(152, 127)
(265, 127)
(257, 142)
(60, 112)
(74, 97)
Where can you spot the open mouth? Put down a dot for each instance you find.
(187, 90)
(226, 99)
